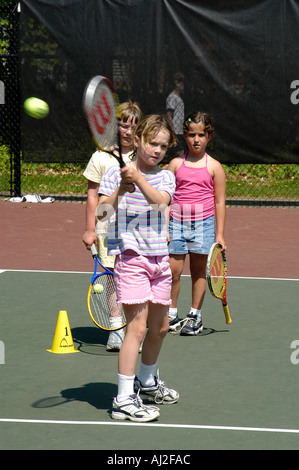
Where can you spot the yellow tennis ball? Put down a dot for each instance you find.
(36, 108)
(98, 288)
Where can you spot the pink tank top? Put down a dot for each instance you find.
(194, 194)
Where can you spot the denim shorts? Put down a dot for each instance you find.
(191, 236)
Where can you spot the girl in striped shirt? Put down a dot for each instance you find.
(135, 198)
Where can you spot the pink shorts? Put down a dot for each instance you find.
(139, 279)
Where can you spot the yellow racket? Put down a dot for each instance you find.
(217, 277)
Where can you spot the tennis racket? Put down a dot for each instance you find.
(101, 108)
(101, 297)
(217, 275)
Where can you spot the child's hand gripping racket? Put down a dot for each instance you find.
(101, 298)
(101, 107)
(216, 276)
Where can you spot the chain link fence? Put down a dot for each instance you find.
(247, 184)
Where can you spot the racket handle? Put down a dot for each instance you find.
(227, 314)
(93, 250)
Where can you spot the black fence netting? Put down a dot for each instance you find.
(10, 131)
(236, 60)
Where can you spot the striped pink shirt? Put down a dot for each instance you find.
(137, 225)
(194, 195)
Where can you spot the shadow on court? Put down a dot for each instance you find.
(98, 395)
(91, 340)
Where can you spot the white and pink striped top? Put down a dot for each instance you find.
(136, 225)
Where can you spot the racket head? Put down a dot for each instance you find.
(101, 108)
(216, 271)
(102, 306)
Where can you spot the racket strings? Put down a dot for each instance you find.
(108, 140)
(103, 120)
(217, 272)
(103, 305)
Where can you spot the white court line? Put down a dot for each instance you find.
(183, 275)
(155, 425)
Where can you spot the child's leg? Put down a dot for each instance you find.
(157, 329)
(193, 324)
(128, 405)
(176, 263)
(198, 267)
(147, 382)
(136, 316)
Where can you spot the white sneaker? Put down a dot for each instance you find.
(115, 340)
(133, 409)
(193, 326)
(158, 392)
(176, 324)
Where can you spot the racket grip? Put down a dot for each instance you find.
(227, 314)
(93, 250)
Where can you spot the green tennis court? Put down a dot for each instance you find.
(238, 384)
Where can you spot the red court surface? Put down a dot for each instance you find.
(231, 396)
(261, 241)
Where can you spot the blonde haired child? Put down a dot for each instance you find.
(137, 237)
(96, 168)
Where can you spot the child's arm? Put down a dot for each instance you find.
(174, 164)
(220, 210)
(89, 236)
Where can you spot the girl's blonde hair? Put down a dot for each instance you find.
(149, 126)
(199, 118)
(129, 110)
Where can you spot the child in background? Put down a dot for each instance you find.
(137, 236)
(197, 217)
(96, 168)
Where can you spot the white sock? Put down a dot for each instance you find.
(125, 386)
(172, 313)
(147, 374)
(196, 312)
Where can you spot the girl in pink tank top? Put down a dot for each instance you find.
(194, 195)
(197, 218)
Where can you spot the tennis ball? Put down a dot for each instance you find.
(98, 288)
(36, 108)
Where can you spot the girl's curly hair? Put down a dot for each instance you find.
(199, 118)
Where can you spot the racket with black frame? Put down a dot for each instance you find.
(101, 297)
(101, 108)
(217, 276)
